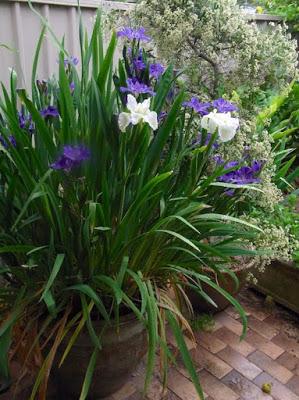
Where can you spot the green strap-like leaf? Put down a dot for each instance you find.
(56, 268)
(89, 374)
(87, 290)
(184, 352)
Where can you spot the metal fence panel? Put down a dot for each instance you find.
(20, 29)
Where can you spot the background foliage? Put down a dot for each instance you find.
(287, 9)
(219, 50)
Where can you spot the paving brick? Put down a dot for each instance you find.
(136, 396)
(232, 312)
(270, 366)
(264, 345)
(181, 386)
(230, 338)
(286, 343)
(279, 391)
(245, 388)
(215, 388)
(262, 328)
(171, 396)
(155, 391)
(171, 340)
(127, 390)
(210, 341)
(290, 361)
(211, 362)
(275, 321)
(230, 323)
(217, 325)
(239, 363)
(138, 376)
(257, 311)
(293, 384)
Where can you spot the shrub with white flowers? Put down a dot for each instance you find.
(218, 47)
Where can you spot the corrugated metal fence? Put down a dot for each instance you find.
(20, 29)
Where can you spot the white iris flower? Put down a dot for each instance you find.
(138, 112)
(227, 125)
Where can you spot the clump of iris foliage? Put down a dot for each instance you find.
(219, 52)
(107, 202)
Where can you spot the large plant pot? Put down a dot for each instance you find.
(226, 282)
(121, 353)
(281, 282)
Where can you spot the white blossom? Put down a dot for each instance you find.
(138, 112)
(226, 125)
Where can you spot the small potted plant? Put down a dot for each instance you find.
(105, 205)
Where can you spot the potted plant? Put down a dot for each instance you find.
(105, 205)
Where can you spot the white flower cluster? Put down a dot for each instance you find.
(217, 46)
(277, 241)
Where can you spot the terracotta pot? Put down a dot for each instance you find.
(226, 282)
(121, 353)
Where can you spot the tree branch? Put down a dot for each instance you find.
(210, 61)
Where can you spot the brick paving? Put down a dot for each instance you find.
(230, 369)
(227, 368)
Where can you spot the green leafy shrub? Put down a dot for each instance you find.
(281, 118)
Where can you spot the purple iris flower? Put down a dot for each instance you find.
(139, 64)
(198, 141)
(135, 87)
(156, 70)
(134, 34)
(218, 159)
(71, 61)
(72, 87)
(22, 120)
(162, 116)
(49, 111)
(229, 192)
(243, 175)
(257, 166)
(3, 142)
(197, 106)
(224, 106)
(25, 121)
(71, 157)
(11, 139)
(231, 164)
